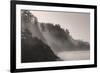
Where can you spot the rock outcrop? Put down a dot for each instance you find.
(33, 48)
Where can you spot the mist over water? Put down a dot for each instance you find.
(74, 55)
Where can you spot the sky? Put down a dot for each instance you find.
(78, 24)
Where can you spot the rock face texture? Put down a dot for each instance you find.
(44, 41)
(33, 48)
(30, 23)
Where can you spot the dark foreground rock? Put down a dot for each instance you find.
(34, 50)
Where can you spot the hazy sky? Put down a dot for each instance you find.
(78, 24)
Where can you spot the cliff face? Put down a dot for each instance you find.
(56, 38)
(34, 50)
(43, 41)
(60, 40)
(30, 23)
(33, 47)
